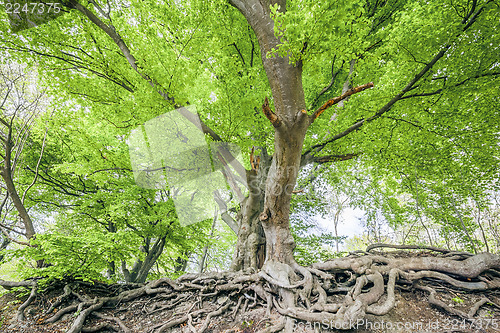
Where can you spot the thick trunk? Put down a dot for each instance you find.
(250, 248)
(249, 252)
(279, 186)
(285, 80)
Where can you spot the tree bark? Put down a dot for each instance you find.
(6, 173)
(141, 268)
(251, 244)
(290, 121)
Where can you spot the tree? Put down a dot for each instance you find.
(20, 107)
(121, 228)
(420, 58)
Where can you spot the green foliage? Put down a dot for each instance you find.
(73, 256)
(430, 162)
(313, 243)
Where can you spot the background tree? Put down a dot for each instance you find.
(21, 105)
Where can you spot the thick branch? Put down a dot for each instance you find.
(337, 99)
(273, 118)
(333, 158)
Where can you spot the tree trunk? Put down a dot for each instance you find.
(203, 257)
(251, 244)
(6, 174)
(279, 186)
(141, 268)
(290, 121)
(249, 252)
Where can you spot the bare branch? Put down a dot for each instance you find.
(335, 100)
(273, 118)
(334, 158)
(37, 167)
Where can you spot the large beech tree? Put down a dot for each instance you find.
(293, 83)
(128, 71)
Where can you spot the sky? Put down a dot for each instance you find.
(350, 222)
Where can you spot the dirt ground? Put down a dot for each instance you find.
(412, 314)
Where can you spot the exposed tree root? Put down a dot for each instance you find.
(20, 311)
(14, 284)
(405, 247)
(340, 292)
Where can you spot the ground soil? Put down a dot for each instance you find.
(411, 314)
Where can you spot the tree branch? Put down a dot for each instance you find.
(37, 166)
(273, 118)
(453, 86)
(477, 77)
(228, 175)
(232, 223)
(335, 100)
(325, 89)
(13, 239)
(115, 36)
(333, 158)
(386, 107)
(396, 98)
(195, 119)
(423, 94)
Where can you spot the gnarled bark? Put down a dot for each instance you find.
(250, 247)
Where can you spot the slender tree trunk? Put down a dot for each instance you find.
(203, 257)
(6, 174)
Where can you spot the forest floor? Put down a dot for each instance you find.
(412, 313)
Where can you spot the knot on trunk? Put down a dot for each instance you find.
(263, 216)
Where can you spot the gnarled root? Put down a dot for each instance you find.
(340, 292)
